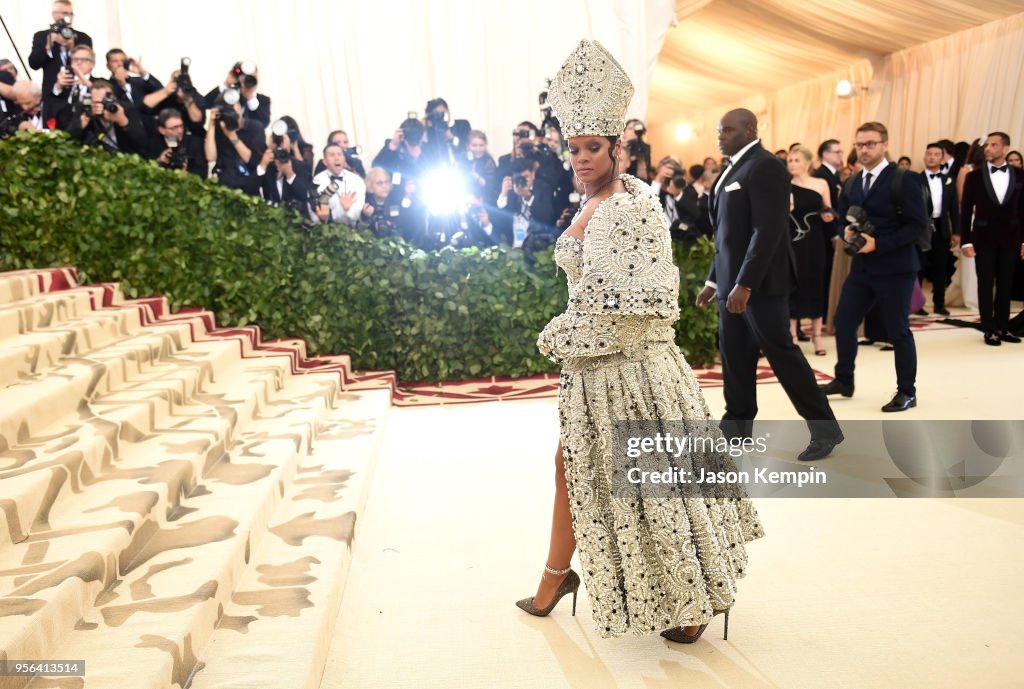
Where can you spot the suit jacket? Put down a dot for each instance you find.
(995, 224)
(948, 222)
(295, 194)
(835, 188)
(693, 212)
(750, 214)
(129, 139)
(542, 209)
(39, 59)
(140, 88)
(895, 235)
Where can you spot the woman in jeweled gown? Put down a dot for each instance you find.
(649, 564)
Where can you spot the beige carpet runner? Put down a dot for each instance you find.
(177, 502)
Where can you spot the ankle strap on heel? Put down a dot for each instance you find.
(556, 572)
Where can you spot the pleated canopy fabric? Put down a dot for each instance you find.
(782, 58)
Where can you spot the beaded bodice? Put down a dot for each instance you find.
(622, 283)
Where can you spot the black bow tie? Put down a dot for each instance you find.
(995, 169)
(336, 178)
(937, 174)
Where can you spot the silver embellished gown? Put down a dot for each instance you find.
(657, 562)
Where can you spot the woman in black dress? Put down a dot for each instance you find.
(809, 211)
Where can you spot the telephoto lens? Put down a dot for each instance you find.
(281, 155)
(110, 105)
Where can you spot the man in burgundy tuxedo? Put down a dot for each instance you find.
(994, 198)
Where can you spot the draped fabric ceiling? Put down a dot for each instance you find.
(731, 53)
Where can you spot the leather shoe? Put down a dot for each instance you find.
(992, 339)
(901, 402)
(1007, 337)
(836, 387)
(941, 310)
(820, 448)
(801, 336)
(920, 312)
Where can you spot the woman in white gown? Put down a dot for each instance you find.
(649, 564)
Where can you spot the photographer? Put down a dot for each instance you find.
(175, 147)
(143, 91)
(523, 146)
(234, 144)
(392, 211)
(8, 77)
(403, 152)
(286, 179)
(638, 149)
(180, 94)
(693, 207)
(525, 206)
(101, 120)
(479, 166)
(51, 51)
(669, 185)
(883, 273)
(444, 141)
(474, 227)
(25, 115)
(341, 194)
(352, 160)
(69, 94)
(244, 78)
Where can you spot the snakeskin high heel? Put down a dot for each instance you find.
(676, 633)
(571, 584)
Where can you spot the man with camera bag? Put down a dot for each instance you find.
(882, 226)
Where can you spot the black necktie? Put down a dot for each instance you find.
(937, 174)
(995, 169)
(867, 182)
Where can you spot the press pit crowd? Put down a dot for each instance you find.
(434, 182)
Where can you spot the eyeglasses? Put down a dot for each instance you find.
(861, 145)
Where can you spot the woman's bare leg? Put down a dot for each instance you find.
(563, 540)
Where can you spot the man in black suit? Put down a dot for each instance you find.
(751, 275)
(830, 153)
(944, 211)
(51, 51)
(284, 179)
(693, 207)
(949, 166)
(884, 271)
(108, 123)
(994, 197)
(136, 90)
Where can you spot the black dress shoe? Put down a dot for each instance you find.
(901, 402)
(820, 448)
(992, 339)
(866, 341)
(942, 310)
(801, 337)
(1007, 337)
(837, 387)
(920, 312)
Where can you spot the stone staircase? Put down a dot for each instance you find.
(177, 501)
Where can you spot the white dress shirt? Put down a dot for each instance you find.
(350, 182)
(1000, 180)
(935, 181)
(874, 172)
(732, 161)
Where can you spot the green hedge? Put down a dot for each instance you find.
(439, 315)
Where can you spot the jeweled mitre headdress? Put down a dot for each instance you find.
(590, 93)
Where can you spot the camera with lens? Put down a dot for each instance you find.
(184, 80)
(324, 197)
(178, 157)
(679, 180)
(282, 155)
(9, 125)
(110, 105)
(861, 225)
(63, 27)
(278, 131)
(226, 109)
(520, 181)
(245, 73)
